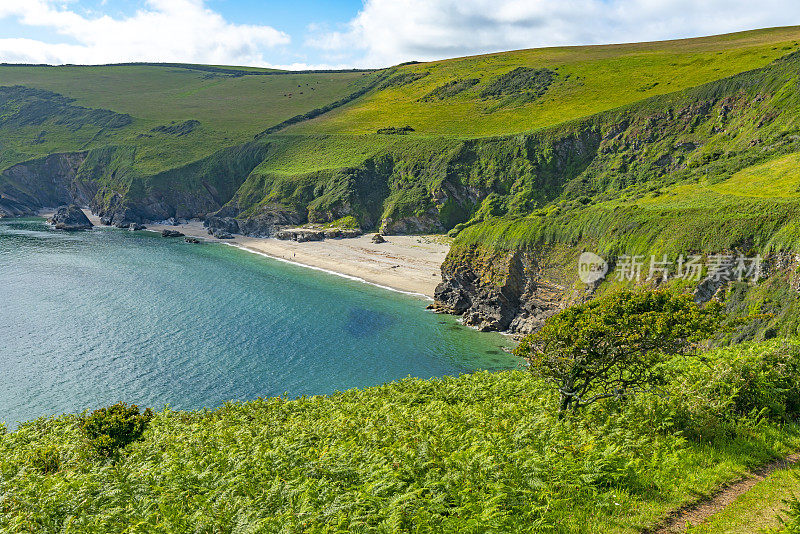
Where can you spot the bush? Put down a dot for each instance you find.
(708, 394)
(112, 428)
(46, 460)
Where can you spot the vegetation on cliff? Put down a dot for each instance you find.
(482, 452)
(320, 153)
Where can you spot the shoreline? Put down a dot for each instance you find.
(322, 269)
(405, 264)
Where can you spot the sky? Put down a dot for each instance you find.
(303, 34)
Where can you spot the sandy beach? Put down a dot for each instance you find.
(403, 263)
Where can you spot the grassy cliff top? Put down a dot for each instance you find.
(468, 97)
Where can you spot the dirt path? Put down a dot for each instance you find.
(699, 512)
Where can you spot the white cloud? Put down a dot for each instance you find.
(392, 31)
(164, 30)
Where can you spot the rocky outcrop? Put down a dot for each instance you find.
(264, 223)
(503, 291)
(516, 291)
(312, 234)
(171, 233)
(27, 187)
(378, 238)
(70, 218)
(418, 224)
(195, 190)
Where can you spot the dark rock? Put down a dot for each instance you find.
(517, 301)
(264, 224)
(225, 224)
(171, 233)
(220, 234)
(70, 218)
(136, 226)
(378, 238)
(27, 187)
(351, 232)
(300, 235)
(192, 240)
(106, 220)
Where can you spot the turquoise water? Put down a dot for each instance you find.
(92, 318)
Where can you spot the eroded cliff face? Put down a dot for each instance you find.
(46, 182)
(509, 291)
(516, 291)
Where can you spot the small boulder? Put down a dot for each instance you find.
(222, 234)
(378, 238)
(192, 240)
(351, 233)
(171, 233)
(133, 227)
(70, 218)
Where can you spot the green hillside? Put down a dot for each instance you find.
(319, 164)
(527, 159)
(585, 80)
(479, 453)
(231, 108)
(669, 147)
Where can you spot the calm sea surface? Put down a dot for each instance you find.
(91, 318)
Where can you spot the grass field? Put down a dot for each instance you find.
(182, 114)
(590, 80)
(230, 109)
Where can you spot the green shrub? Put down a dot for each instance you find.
(112, 428)
(711, 393)
(46, 459)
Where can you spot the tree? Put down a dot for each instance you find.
(612, 346)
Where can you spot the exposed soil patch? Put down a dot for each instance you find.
(699, 512)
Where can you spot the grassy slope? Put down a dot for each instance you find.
(482, 452)
(591, 80)
(231, 109)
(640, 192)
(759, 509)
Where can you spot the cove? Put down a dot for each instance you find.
(91, 318)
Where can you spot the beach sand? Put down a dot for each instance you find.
(404, 263)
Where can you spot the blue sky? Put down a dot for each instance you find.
(351, 33)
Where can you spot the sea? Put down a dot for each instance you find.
(91, 318)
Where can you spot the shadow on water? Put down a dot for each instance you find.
(362, 322)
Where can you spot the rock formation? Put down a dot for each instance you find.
(70, 218)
